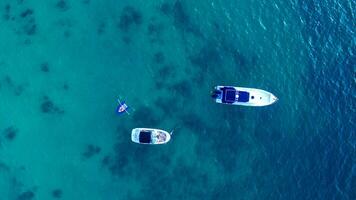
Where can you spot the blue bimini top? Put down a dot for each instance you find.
(145, 137)
(229, 95)
(243, 96)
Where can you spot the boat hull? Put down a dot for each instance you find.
(256, 97)
(157, 136)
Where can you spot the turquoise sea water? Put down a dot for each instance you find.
(64, 63)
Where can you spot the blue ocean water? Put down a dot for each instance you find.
(64, 63)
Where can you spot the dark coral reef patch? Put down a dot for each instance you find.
(62, 5)
(101, 28)
(44, 67)
(23, 22)
(174, 185)
(145, 116)
(118, 163)
(90, 151)
(154, 31)
(164, 75)
(207, 56)
(130, 16)
(180, 16)
(65, 86)
(47, 106)
(182, 88)
(29, 26)
(17, 89)
(158, 58)
(27, 12)
(86, 2)
(10, 133)
(165, 8)
(27, 195)
(193, 122)
(57, 193)
(7, 12)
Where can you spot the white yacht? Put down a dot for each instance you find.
(242, 96)
(150, 136)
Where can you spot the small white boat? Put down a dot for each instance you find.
(150, 136)
(243, 96)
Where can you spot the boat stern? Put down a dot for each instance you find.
(135, 134)
(216, 93)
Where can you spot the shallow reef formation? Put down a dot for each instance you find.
(57, 193)
(166, 71)
(90, 151)
(29, 26)
(158, 58)
(181, 19)
(27, 195)
(12, 187)
(154, 31)
(127, 159)
(219, 52)
(130, 16)
(101, 28)
(26, 13)
(166, 74)
(7, 12)
(86, 2)
(106, 160)
(165, 8)
(4, 167)
(130, 19)
(180, 16)
(15, 88)
(208, 56)
(66, 24)
(126, 162)
(44, 67)
(181, 88)
(193, 122)
(20, 19)
(48, 107)
(166, 106)
(62, 5)
(118, 163)
(178, 92)
(145, 116)
(10, 133)
(65, 86)
(173, 187)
